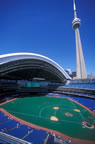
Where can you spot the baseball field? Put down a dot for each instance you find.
(59, 114)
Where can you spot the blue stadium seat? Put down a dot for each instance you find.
(8, 125)
(3, 117)
(36, 136)
(19, 131)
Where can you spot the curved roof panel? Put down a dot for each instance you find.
(6, 58)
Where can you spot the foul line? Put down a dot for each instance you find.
(79, 112)
(8, 101)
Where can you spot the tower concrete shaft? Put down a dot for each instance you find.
(80, 64)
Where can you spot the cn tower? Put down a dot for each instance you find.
(80, 63)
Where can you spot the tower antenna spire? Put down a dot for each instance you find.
(80, 63)
(75, 13)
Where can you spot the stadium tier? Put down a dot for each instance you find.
(82, 84)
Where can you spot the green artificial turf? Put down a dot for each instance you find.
(38, 110)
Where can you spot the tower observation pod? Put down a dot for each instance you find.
(80, 63)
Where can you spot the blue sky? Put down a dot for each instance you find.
(45, 27)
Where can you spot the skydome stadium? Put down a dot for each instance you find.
(39, 103)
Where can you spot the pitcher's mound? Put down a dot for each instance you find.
(68, 114)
